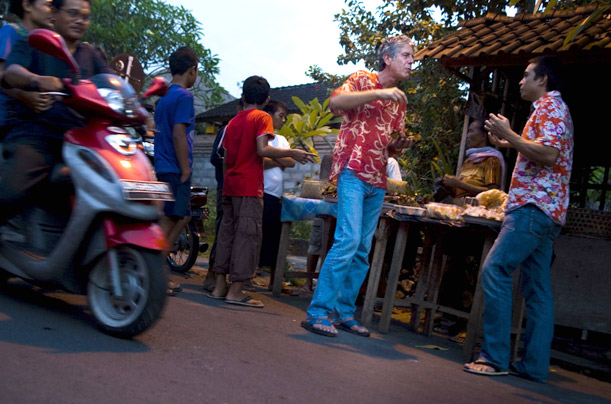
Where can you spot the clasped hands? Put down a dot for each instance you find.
(38, 100)
(499, 129)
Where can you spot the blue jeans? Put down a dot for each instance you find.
(526, 240)
(347, 263)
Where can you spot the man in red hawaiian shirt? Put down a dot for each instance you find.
(372, 108)
(536, 210)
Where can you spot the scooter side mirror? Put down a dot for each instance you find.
(52, 44)
(159, 87)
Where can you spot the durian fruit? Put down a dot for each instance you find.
(491, 199)
(396, 187)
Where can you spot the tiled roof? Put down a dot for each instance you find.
(197, 101)
(305, 92)
(501, 40)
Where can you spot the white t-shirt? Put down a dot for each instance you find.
(272, 177)
(392, 169)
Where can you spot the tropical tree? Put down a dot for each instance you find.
(151, 30)
(302, 129)
(437, 97)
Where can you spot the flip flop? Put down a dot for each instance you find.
(246, 301)
(497, 370)
(347, 326)
(211, 296)
(177, 288)
(309, 325)
(209, 285)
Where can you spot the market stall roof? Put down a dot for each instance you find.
(496, 40)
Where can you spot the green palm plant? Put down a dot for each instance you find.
(441, 164)
(301, 129)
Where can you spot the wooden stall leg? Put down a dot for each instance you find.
(377, 262)
(393, 276)
(423, 278)
(277, 276)
(477, 308)
(327, 237)
(434, 282)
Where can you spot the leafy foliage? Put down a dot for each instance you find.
(314, 120)
(151, 30)
(437, 97)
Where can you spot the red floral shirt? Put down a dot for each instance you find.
(546, 187)
(362, 142)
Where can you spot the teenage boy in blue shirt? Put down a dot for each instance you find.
(175, 120)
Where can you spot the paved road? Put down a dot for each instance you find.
(206, 351)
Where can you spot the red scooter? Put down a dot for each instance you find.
(191, 240)
(100, 237)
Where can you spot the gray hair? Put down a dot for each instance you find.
(390, 46)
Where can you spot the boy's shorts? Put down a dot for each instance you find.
(179, 208)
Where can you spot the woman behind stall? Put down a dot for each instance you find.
(483, 169)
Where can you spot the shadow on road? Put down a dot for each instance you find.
(56, 321)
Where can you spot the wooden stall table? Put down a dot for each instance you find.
(429, 282)
(294, 209)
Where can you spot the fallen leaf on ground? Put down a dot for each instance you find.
(432, 347)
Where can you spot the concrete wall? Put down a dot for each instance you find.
(203, 171)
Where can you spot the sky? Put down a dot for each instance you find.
(276, 39)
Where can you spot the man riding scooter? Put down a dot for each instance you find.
(33, 143)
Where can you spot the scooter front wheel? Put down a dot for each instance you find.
(185, 250)
(143, 292)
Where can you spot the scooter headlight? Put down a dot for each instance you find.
(148, 148)
(114, 99)
(118, 93)
(122, 143)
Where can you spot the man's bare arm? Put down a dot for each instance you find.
(499, 126)
(282, 162)
(453, 182)
(19, 77)
(350, 100)
(265, 150)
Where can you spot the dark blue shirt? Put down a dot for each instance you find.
(176, 107)
(217, 157)
(9, 34)
(57, 120)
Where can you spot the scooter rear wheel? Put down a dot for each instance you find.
(143, 285)
(185, 250)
